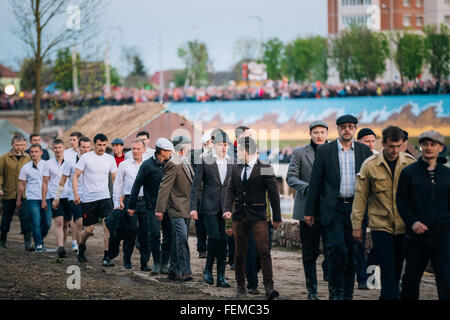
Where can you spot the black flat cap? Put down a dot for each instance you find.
(365, 132)
(348, 118)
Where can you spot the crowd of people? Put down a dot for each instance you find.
(269, 90)
(147, 198)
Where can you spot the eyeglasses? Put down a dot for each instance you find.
(349, 126)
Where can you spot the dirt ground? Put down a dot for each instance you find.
(28, 275)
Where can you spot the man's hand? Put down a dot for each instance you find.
(122, 206)
(227, 215)
(276, 224)
(419, 227)
(18, 203)
(130, 212)
(194, 214)
(55, 204)
(309, 220)
(229, 232)
(159, 215)
(44, 205)
(77, 199)
(358, 235)
(1, 192)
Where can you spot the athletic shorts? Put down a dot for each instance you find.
(94, 211)
(63, 209)
(75, 210)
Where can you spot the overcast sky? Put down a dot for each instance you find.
(217, 22)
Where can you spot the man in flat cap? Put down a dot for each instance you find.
(367, 137)
(149, 176)
(173, 200)
(423, 199)
(298, 177)
(117, 147)
(329, 201)
(212, 175)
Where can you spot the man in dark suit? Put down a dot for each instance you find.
(249, 183)
(329, 200)
(298, 176)
(213, 173)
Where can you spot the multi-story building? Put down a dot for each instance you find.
(437, 12)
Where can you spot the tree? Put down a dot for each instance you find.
(272, 58)
(410, 54)
(360, 53)
(28, 76)
(63, 69)
(437, 51)
(246, 49)
(45, 26)
(138, 67)
(196, 59)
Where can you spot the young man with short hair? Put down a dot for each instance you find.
(74, 151)
(36, 139)
(50, 186)
(148, 152)
(96, 167)
(117, 147)
(30, 179)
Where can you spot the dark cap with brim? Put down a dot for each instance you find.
(348, 118)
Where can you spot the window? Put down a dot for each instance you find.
(418, 3)
(447, 20)
(358, 20)
(419, 21)
(406, 3)
(406, 20)
(356, 2)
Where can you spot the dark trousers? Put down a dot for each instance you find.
(390, 252)
(252, 261)
(310, 239)
(230, 249)
(420, 249)
(200, 232)
(341, 253)
(261, 234)
(138, 226)
(217, 241)
(8, 208)
(360, 255)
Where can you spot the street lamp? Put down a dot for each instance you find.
(391, 27)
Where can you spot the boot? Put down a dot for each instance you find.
(165, 256)
(156, 269)
(311, 281)
(27, 239)
(3, 240)
(207, 272)
(221, 281)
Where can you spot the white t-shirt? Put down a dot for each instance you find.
(69, 170)
(33, 177)
(53, 170)
(96, 170)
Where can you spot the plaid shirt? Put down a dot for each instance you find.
(347, 168)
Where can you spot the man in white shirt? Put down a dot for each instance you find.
(126, 174)
(96, 167)
(148, 152)
(76, 212)
(30, 178)
(50, 181)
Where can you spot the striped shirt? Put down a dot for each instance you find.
(347, 168)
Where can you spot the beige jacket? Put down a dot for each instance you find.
(376, 190)
(9, 173)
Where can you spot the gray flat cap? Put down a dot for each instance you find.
(117, 141)
(433, 136)
(180, 140)
(164, 144)
(317, 123)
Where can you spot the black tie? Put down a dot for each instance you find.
(245, 179)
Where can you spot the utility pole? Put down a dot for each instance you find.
(74, 71)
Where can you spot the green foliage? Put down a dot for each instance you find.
(437, 51)
(63, 69)
(196, 59)
(28, 74)
(273, 57)
(360, 53)
(409, 57)
(138, 67)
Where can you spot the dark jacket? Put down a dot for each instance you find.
(325, 183)
(45, 154)
(207, 178)
(149, 175)
(251, 199)
(418, 199)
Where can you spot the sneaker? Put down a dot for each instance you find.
(39, 249)
(74, 246)
(61, 252)
(107, 262)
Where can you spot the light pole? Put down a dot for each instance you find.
(161, 72)
(261, 36)
(391, 27)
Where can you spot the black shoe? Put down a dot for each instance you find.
(241, 290)
(207, 275)
(107, 262)
(232, 267)
(61, 253)
(253, 291)
(202, 254)
(156, 269)
(27, 240)
(145, 268)
(127, 266)
(362, 286)
(222, 282)
(81, 258)
(271, 294)
(172, 276)
(3, 244)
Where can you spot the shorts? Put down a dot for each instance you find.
(94, 212)
(75, 210)
(63, 209)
